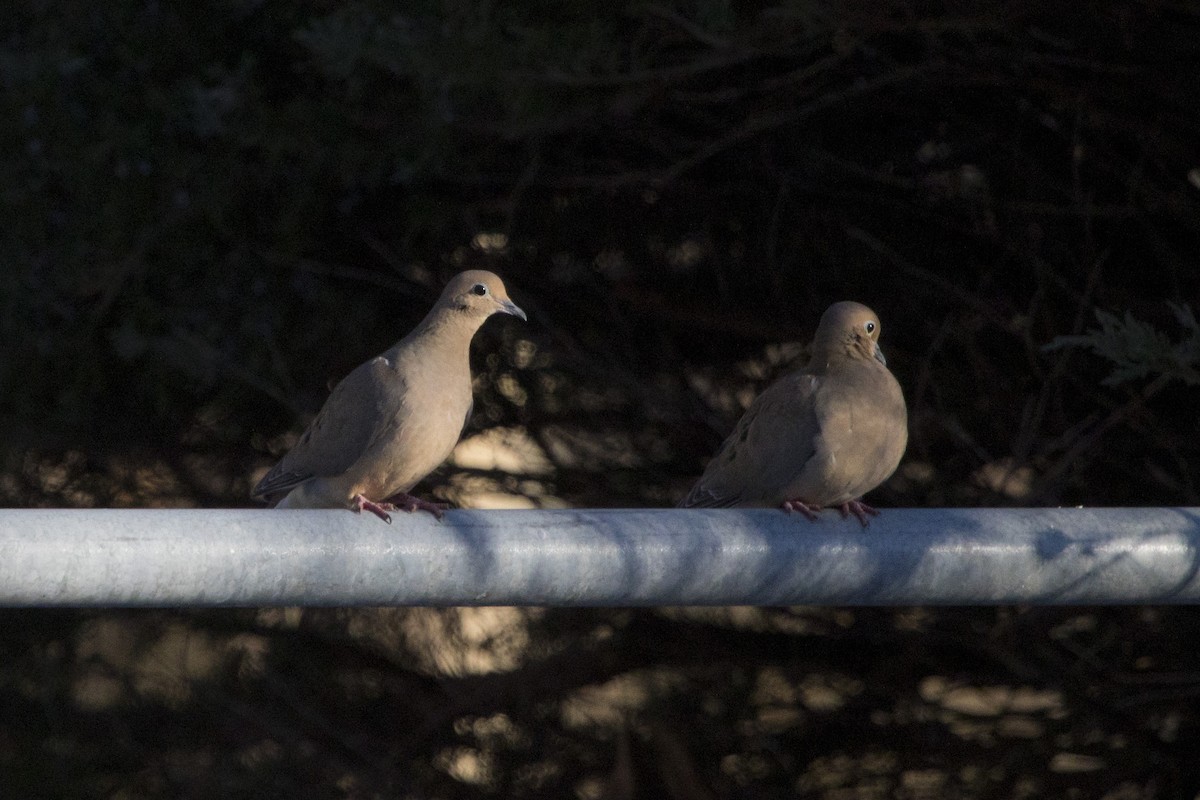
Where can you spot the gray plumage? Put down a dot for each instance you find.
(824, 435)
(394, 419)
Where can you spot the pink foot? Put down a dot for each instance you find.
(859, 509)
(409, 503)
(807, 509)
(378, 509)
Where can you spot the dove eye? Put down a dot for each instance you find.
(870, 326)
(479, 290)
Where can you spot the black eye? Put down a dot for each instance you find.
(870, 326)
(479, 289)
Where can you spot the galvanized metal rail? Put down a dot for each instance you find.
(593, 557)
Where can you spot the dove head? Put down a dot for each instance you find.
(478, 294)
(849, 329)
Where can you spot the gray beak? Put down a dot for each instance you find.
(879, 355)
(509, 307)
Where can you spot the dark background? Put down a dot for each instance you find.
(211, 211)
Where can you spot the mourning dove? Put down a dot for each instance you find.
(394, 419)
(821, 436)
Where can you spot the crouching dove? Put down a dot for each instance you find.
(394, 419)
(821, 436)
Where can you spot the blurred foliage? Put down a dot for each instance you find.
(675, 703)
(214, 209)
(201, 198)
(1138, 349)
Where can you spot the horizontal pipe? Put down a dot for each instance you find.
(592, 557)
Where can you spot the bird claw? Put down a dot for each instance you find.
(409, 503)
(807, 509)
(859, 509)
(378, 509)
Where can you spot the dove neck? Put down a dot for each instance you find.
(826, 354)
(446, 328)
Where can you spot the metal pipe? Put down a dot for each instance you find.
(598, 557)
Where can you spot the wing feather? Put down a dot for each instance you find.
(343, 429)
(767, 450)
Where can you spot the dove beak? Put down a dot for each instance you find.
(879, 355)
(509, 307)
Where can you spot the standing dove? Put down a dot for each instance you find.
(821, 436)
(394, 419)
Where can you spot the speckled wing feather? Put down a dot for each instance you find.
(769, 447)
(343, 429)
